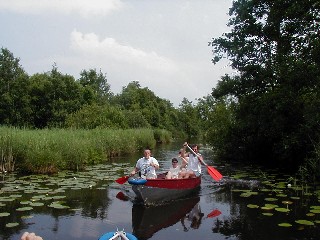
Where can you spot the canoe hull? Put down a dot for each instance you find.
(160, 190)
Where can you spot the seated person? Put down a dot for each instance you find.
(146, 166)
(195, 160)
(175, 170)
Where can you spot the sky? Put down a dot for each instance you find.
(162, 44)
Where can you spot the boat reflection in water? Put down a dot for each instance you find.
(147, 220)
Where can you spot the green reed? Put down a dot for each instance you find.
(51, 150)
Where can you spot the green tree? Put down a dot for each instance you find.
(159, 113)
(189, 117)
(54, 96)
(96, 85)
(274, 45)
(97, 116)
(14, 103)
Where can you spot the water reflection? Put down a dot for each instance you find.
(147, 220)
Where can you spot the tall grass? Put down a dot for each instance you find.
(51, 150)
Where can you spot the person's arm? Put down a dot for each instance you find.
(183, 150)
(154, 163)
(184, 161)
(134, 171)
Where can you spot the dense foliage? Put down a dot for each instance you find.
(53, 99)
(272, 107)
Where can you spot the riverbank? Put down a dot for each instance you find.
(51, 150)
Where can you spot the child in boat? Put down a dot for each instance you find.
(176, 169)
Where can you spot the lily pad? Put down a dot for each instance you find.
(36, 204)
(4, 214)
(252, 206)
(267, 214)
(271, 199)
(285, 225)
(282, 209)
(310, 214)
(14, 224)
(304, 222)
(24, 209)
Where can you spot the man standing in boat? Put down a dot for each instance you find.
(146, 165)
(194, 162)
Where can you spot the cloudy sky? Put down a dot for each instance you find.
(163, 44)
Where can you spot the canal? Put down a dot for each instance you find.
(249, 203)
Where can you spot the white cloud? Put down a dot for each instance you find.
(109, 49)
(83, 7)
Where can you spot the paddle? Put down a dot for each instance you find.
(211, 170)
(123, 179)
(214, 213)
(120, 195)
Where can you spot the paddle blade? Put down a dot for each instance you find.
(122, 180)
(120, 195)
(214, 173)
(214, 213)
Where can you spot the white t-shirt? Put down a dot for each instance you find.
(175, 171)
(143, 164)
(194, 164)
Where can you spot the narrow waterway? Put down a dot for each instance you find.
(248, 204)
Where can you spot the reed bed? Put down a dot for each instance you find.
(51, 150)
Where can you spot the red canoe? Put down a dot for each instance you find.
(160, 190)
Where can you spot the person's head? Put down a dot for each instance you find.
(147, 153)
(195, 148)
(174, 161)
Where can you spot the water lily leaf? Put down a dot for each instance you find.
(310, 214)
(58, 197)
(304, 222)
(282, 209)
(271, 199)
(6, 199)
(4, 214)
(285, 225)
(24, 209)
(252, 206)
(315, 207)
(267, 214)
(9, 225)
(281, 195)
(36, 204)
(315, 210)
(15, 196)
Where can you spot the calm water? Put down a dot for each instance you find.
(230, 209)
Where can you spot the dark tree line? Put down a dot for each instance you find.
(272, 107)
(53, 99)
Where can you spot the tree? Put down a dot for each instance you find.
(54, 96)
(275, 46)
(14, 103)
(189, 118)
(97, 83)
